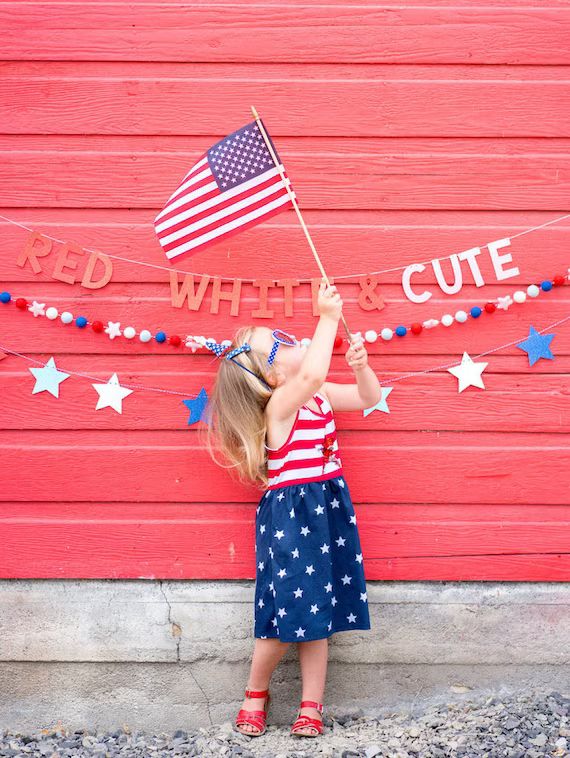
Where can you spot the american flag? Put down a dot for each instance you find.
(233, 186)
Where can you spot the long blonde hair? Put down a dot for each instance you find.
(235, 413)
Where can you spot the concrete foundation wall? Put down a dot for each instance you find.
(164, 655)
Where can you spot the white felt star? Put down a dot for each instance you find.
(37, 308)
(48, 378)
(430, 323)
(191, 343)
(113, 330)
(381, 405)
(503, 303)
(468, 373)
(111, 394)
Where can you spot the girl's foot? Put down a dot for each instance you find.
(314, 713)
(251, 704)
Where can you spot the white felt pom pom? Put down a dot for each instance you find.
(52, 313)
(519, 296)
(447, 319)
(461, 317)
(371, 335)
(66, 317)
(129, 332)
(386, 333)
(145, 336)
(532, 290)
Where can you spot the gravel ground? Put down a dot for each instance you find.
(514, 726)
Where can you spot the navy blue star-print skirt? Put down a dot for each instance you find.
(310, 580)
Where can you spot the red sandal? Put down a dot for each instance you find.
(303, 720)
(254, 718)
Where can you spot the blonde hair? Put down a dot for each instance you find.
(235, 413)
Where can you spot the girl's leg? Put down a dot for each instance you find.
(313, 658)
(266, 655)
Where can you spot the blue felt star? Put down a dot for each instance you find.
(381, 405)
(48, 378)
(196, 406)
(537, 346)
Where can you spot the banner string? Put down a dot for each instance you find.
(385, 381)
(240, 279)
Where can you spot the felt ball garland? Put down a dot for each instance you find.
(370, 335)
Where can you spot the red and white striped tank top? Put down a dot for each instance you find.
(310, 453)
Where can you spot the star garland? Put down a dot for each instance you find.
(111, 394)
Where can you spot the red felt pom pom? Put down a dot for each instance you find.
(490, 307)
(337, 341)
(97, 326)
(558, 280)
(416, 328)
(175, 340)
(21, 303)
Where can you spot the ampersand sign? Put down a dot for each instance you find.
(368, 299)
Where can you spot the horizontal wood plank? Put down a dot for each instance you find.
(368, 103)
(477, 467)
(369, 180)
(531, 400)
(348, 242)
(303, 33)
(214, 541)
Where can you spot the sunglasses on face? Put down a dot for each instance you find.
(280, 338)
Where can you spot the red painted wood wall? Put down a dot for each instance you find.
(409, 132)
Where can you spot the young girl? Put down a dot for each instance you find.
(270, 413)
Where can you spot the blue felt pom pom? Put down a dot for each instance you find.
(81, 321)
(160, 336)
(546, 286)
(401, 331)
(5, 297)
(475, 311)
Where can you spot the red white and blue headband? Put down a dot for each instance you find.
(279, 338)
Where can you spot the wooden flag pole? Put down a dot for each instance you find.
(294, 201)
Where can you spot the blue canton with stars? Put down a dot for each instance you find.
(310, 580)
(241, 156)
